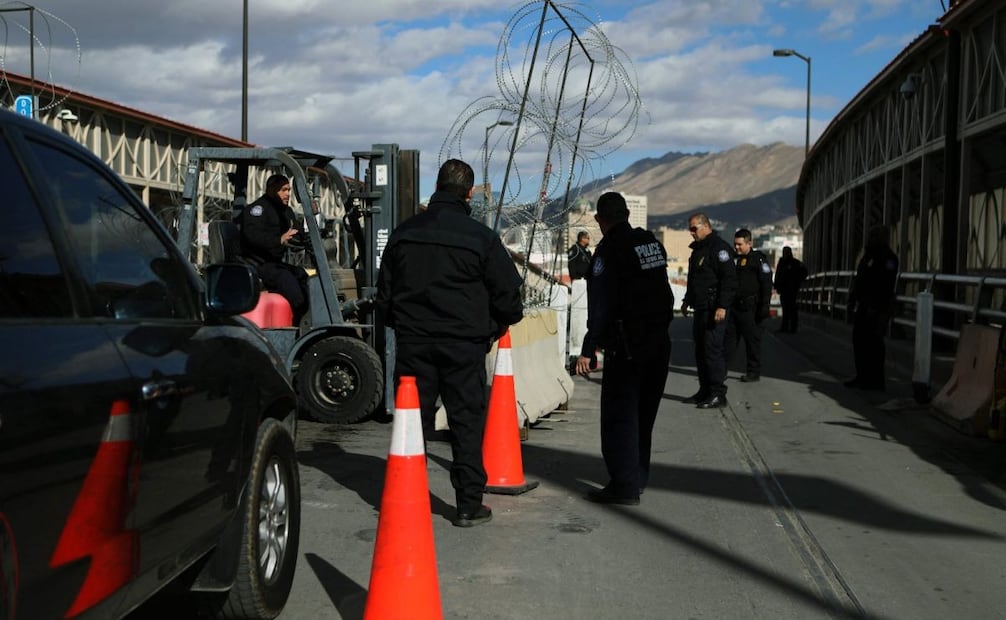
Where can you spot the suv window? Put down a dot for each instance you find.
(32, 283)
(128, 270)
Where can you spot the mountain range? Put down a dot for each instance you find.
(747, 185)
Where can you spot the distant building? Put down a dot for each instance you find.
(638, 208)
(676, 243)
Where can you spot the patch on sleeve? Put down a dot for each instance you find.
(256, 210)
(598, 266)
(724, 256)
(765, 268)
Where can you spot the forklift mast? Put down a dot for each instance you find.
(390, 195)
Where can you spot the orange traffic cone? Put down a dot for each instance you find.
(403, 577)
(96, 526)
(501, 442)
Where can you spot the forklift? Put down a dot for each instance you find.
(341, 361)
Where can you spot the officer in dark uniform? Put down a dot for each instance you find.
(578, 256)
(712, 285)
(629, 310)
(448, 287)
(871, 304)
(790, 273)
(754, 292)
(267, 228)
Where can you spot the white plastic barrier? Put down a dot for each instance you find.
(560, 305)
(540, 376)
(541, 381)
(577, 316)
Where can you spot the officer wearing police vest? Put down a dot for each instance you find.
(629, 308)
(751, 306)
(712, 286)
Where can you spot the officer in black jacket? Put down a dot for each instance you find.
(712, 285)
(578, 256)
(449, 288)
(750, 309)
(629, 308)
(267, 228)
(871, 304)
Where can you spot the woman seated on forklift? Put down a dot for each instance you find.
(267, 227)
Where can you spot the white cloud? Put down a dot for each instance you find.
(338, 77)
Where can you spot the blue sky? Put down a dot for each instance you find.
(336, 77)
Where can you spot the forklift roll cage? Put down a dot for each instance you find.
(387, 194)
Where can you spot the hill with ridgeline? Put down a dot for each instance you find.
(747, 185)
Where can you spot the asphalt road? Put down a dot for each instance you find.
(801, 500)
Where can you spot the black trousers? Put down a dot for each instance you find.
(631, 390)
(289, 281)
(868, 350)
(456, 372)
(742, 326)
(710, 357)
(790, 320)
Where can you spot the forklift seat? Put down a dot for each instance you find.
(225, 242)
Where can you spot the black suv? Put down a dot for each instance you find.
(146, 432)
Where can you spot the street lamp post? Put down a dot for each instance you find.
(806, 59)
(244, 75)
(486, 194)
(31, 52)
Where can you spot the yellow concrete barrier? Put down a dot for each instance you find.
(966, 398)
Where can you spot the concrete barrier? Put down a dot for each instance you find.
(577, 316)
(541, 381)
(966, 398)
(540, 376)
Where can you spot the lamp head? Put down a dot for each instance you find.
(783, 52)
(67, 115)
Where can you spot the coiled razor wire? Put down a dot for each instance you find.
(11, 18)
(573, 99)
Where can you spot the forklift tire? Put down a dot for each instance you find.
(341, 380)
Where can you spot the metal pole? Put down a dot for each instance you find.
(806, 140)
(806, 59)
(485, 170)
(31, 34)
(31, 52)
(486, 194)
(244, 76)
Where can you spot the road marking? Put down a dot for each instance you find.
(826, 576)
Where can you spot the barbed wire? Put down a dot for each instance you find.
(573, 99)
(45, 46)
(582, 101)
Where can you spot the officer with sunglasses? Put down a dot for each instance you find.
(712, 286)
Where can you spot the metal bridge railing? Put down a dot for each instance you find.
(956, 299)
